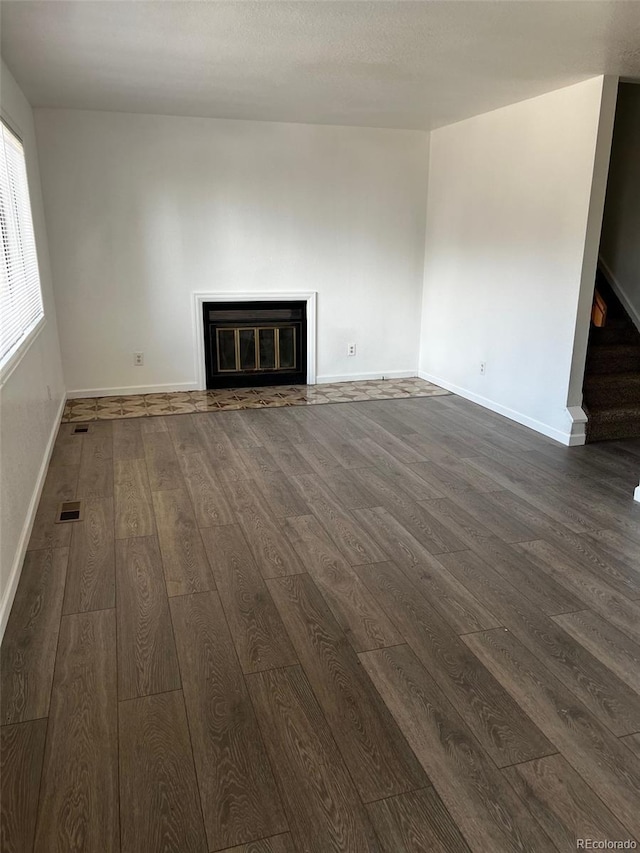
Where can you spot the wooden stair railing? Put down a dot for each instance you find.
(598, 310)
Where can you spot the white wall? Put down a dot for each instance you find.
(506, 239)
(28, 417)
(144, 210)
(620, 245)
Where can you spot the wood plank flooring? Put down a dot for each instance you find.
(380, 627)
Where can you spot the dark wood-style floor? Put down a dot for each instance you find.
(389, 626)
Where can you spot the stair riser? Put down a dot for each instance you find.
(608, 337)
(610, 363)
(609, 431)
(607, 397)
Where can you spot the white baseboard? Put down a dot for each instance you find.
(636, 494)
(574, 436)
(619, 292)
(133, 389)
(361, 377)
(16, 569)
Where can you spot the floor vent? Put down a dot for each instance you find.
(80, 428)
(69, 511)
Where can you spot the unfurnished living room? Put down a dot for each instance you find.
(319, 426)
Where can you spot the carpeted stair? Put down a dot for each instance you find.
(611, 390)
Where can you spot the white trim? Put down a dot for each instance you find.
(636, 494)
(16, 569)
(132, 389)
(12, 124)
(619, 292)
(571, 438)
(200, 298)
(361, 377)
(578, 430)
(22, 347)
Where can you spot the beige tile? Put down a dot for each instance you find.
(109, 414)
(158, 408)
(239, 404)
(218, 396)
(273, 404)
(233, 399)
(133, 412)
(155, 398)
(107, 402)
(89, 407)
(82, 401)
(76, 417)
(207, 406)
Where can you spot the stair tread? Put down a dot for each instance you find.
(628, 377)
(621, 412)
(617, 323)
(607, 336)
(615, 349)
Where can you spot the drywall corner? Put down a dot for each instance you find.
(424, 254)
(601, 156)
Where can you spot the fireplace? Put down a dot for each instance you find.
(255, 343)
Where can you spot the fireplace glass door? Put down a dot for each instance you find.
(255, 343)
(256, 348)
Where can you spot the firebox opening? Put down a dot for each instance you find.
(255, 343)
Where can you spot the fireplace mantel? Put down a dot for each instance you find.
(301, 296)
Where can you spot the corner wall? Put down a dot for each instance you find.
(509, 222)
(32, 396)
(143, 211)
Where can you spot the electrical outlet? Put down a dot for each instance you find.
(483, 367)
(351, 349)
(138, 359)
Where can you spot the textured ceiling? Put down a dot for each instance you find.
(386, 64)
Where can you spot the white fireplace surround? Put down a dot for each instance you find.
(304, 296)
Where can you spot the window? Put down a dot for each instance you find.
(20, 294)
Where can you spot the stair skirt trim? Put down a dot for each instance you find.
(578, 428)
(575, 434)
(619, 292)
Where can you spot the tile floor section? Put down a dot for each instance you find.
(188, 402)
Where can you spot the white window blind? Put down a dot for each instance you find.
(20, 294)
